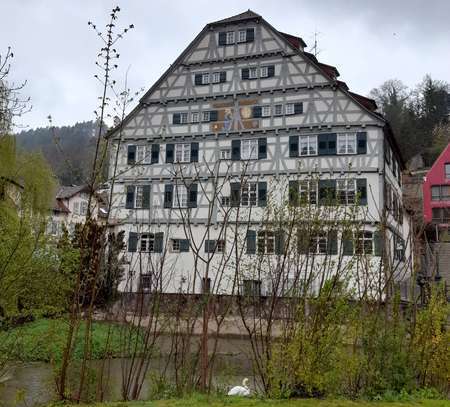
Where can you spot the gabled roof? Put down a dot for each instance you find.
(66, 192)
(58, 206)
(246, 15)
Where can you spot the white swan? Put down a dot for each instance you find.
(240, 390)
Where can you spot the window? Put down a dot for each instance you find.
(206, 116)
(181, 197)
(447, 170)
(216, 77)
(183, 118)
(266, 242)
(252, 73)
(146, 282)
(346, 191)
(249, 149)
(195, 117)
(179, 245)
(264, 72)
(318, 244)
(441, 215)
(289, 109)
(249, 194)
(308, 145)
(183, 152)
(83, 208)
(242, 36)
(212, 246)
(346, 143)
(139, 197)
(399, 249)
(251, 288)
(206, 285)
(76, 208)
(230, 37)
(278, 110)
(144, 153)
(440, 193)
(220, 246)
(205, 78)
(225, 154)
(225, 201)
(265, 111)
(175, 245)
(308, 191)
(147, 242)
(364, 242)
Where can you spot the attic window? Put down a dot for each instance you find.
(242, 36)
(230, 37)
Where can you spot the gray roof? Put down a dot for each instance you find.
(246, 15)
(65, 192)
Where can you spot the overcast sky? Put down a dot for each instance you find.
(369, 41)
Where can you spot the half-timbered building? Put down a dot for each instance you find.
(246, 100)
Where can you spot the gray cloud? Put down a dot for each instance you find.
(369, 42)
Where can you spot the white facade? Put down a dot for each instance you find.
(229, 131)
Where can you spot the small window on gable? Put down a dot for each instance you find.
(447, 170)
(230, 37)
(242, 36)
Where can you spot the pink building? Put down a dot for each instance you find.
(436, 191)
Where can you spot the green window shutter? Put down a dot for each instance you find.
(298, 108)
(245, 73)
(223, 76)
(210, 246)
(332, 143)
(257, 111)
(184, 245)
(332, 242)
(250, 34)
(168, 195)
(222, 38)
(279, 242)
(270, 71)
(176, 118)
(262, 194)
(293, 193)
(198, 79)
(192, 196)
(327, 143)
(235, 150)
(361, 139)
(262, 148)
(361, 187)
(133, 238)
(377, 243)
(194, 152)
(235, 194)
(293, 146)
(155, 154)
(327, 191)
(213, 115)
(131, 156)
(347, 244)
(146, 197)
(169, 153)
(129, 203)
(159, 242)
(251, 242)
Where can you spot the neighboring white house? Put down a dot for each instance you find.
(70, 207)
(245, 97)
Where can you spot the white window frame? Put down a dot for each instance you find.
(289, 109)
(346, 143)
(265, 242)
(264, 72)
(220, 246)
(143, 154)
(147, 242)
(346, 191)
(265, 111)
(181, 196)
(139, 196)
(182, 152)
(242, 36)
(252, 72)
(310, 143)
(363, 242)
(206, 116)
(249, 149)
(225, 153)
(76, 208)
(183, 118)
(280, 107)
(308, 191)
(318, 244)
(175, 245)
(205, 78)
(83, 208)
(215, 77)
(230, 37)
(249, 194)
(195, 117)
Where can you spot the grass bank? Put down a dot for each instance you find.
(44, 340)
(201, 401)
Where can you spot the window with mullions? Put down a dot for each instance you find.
(447, 170)
(251, 288)
(230, 37)
(346, 143)
(308, 191)
(195, 117)
(440, 193)
(265, 111)
(249, 194)
(206, 116)
(145, 283)
(278, 110)
(346, 191)
(205, 78)
(266, 242)
(318, 244)
(216, 77)
(308, 145)
(139, 197)
(144, 154)
(289, 109)
(249, 149)
(441, 215)
(242, 36)
(264, 72)
(363, 242)
(181, 196)
(147, 242)
(183, 152)
(252, 73)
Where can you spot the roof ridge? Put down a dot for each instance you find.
(249, 14)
